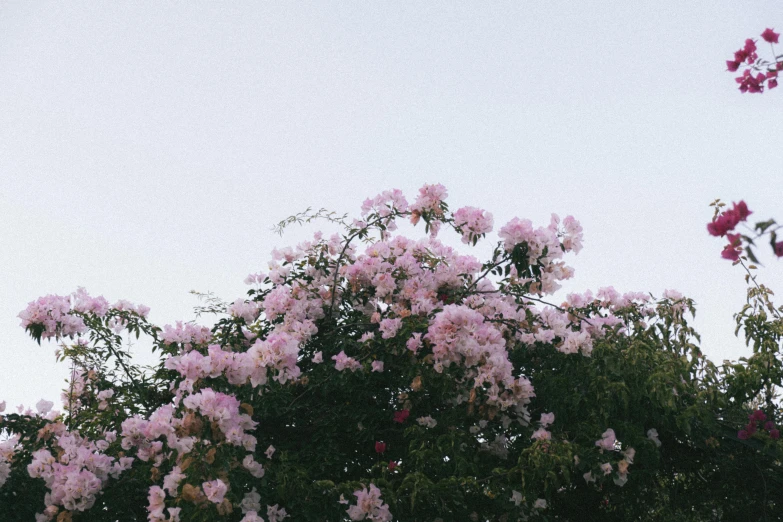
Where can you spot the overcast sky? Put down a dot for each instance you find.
(146, 148)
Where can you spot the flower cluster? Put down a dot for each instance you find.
(724, 222)
(50, 316)
(369, 506)
(7, 449)
(78, 473)
(186, 334)
(473, 223)
(729, 219)
(608, 442)
(758, 73)
(755, 421)
(55, 316)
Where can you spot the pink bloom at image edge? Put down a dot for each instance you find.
(748, 82)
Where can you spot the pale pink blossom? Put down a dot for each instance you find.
(473, 222)
(607, 440)
(275, 514)
(215, 490)
(369, 506)
(255, 468)
(541, 434)
(652, 434)
(343, 362)
(389, 327)
(251, 502)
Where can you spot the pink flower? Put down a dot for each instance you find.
(769, 425)
(392, 465)
(389, 327)
(729, 219)
(770, 36)
(414, 343)
(255, 468)
(342, 362)
(750, 47)
(732, 65)
(369, 506)
(275, 514)
(541, 434)
(779, 249)
(156, 500)
(473, 223)
(750, 83)
(377, 366)
(430, 198)
(607, 440)
(380, 447)
(215, 490)
(758, 416)
(743, 435)
(401, 416)
(774, 433)
(172, 480)
(733, 249)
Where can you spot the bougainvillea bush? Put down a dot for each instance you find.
(371, 376)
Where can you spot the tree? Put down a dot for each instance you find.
(369, 376)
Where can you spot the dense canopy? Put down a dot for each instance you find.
(371, 376)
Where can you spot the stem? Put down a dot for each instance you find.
(136, 385)
(70, 394)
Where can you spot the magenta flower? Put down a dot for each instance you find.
(769, 425)
(729, 219)
(758, 416)
(741, 210)
(401, 416)
(743, 435)
(380, 447)
(779, 249)
(770, 36)
(775, 434)
(733, 249)
(730, 253)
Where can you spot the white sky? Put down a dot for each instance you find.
(146, 148)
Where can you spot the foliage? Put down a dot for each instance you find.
(403, 382)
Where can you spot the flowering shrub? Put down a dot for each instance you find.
(370, 376)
